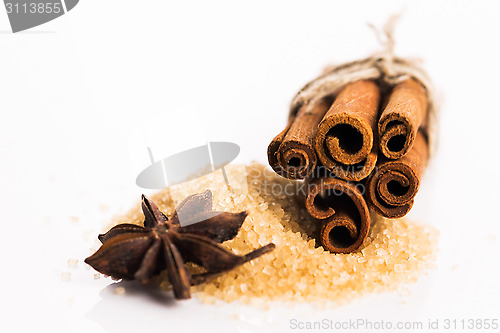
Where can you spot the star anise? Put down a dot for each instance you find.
(130, 251)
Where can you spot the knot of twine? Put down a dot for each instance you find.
(386, 57)
(383, 66)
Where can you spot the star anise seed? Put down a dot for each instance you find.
(131, 251)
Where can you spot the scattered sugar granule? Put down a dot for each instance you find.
(65, 276)
(73, 263)
(119, 291)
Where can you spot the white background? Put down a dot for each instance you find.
(83, 96)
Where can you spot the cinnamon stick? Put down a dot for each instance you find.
(341, 206)
(391, 188)
(402, 117)
(357, 171)
(345, 135)
(291, 154)
(272, 149)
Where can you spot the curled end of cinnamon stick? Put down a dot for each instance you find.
(345, 134)
(296, 159)
(391, 188)
(344, 211)
(349, 138)
(340, 234)
(358, 171)
(291, 154)
(402, 117)
(272, 150)
(380, 206)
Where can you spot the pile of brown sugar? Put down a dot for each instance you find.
(298, 270)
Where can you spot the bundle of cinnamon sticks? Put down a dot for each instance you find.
(362, 146)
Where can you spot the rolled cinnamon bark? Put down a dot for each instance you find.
(358, 171)
(402, 117)
(272, 149)
(345, 135)
(390, 189)
(291, 154)
(341, 206)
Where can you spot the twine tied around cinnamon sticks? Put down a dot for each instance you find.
(369, 122)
